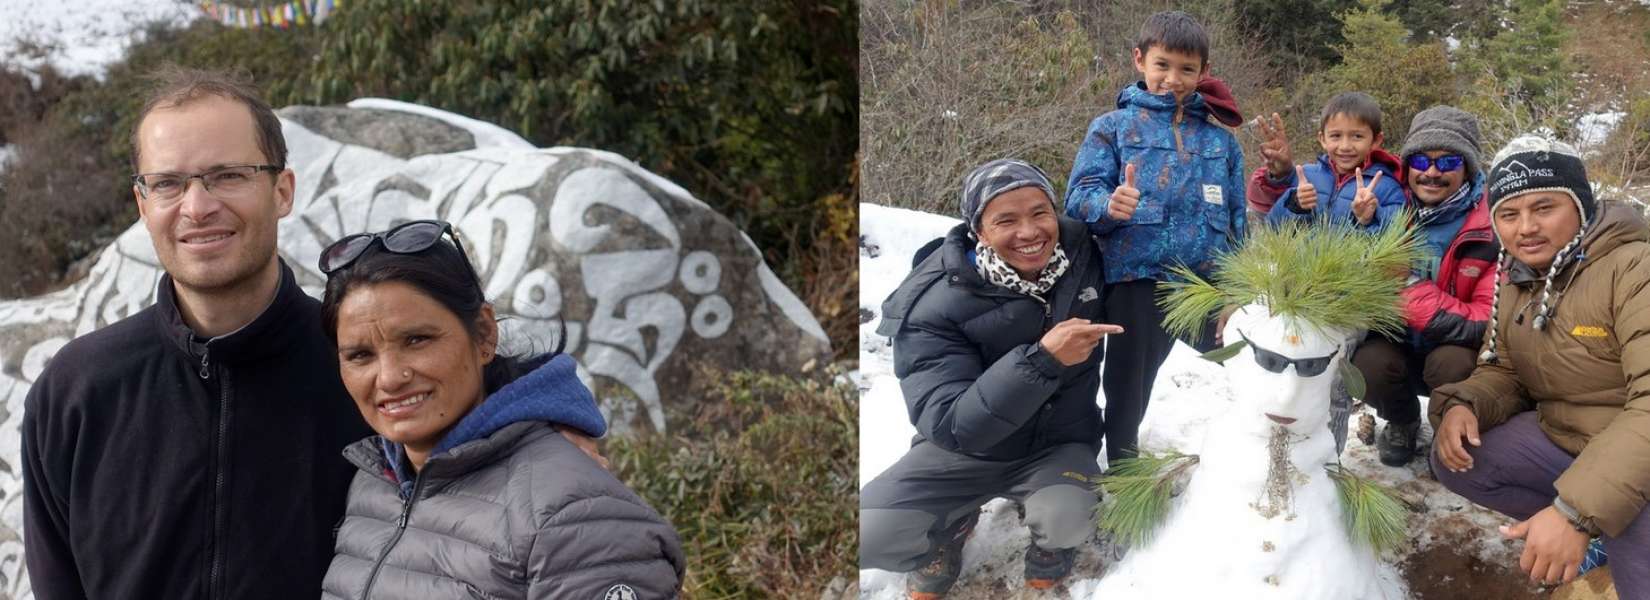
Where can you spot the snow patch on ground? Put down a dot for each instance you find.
(82, 37)
(6, 153)
(1180, 409)
(1593, 129)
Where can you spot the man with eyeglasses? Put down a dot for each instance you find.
(1448, 296)
(192, 450)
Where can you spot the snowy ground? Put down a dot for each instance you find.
(1453, 541)
(82, 37)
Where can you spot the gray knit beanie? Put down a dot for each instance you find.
(996, 178)
(1447, 128)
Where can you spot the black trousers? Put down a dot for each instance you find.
(1396, 374)
(1132, 361)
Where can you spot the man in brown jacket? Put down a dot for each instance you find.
(1562, 391)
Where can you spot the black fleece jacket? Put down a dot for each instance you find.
(159, 465)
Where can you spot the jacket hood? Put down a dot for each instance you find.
(1617, 225)
(1137, 96)
(552, 393)
(1222, 105)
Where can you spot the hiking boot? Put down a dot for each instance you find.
(936, 578)
(1044, 568)
(1594, 558)
(1397, 443)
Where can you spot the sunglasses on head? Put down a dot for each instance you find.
(1274, 362)
(1445, 163)
(407, 238)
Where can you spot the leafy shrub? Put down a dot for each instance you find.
(1379, 59)
(753, 105)
(761, 484)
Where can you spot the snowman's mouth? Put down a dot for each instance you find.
(1280, 420)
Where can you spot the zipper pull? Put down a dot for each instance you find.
(406, 510)
(207, 351)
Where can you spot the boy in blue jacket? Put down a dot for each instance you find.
(1159, 185)
(1353, 181)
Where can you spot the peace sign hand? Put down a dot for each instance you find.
(1274, 145)
(1363, 203)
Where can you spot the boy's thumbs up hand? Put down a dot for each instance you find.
(1125, 197)
(1306, 195)
(1364, 202)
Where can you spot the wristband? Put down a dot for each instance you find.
(1570, 513)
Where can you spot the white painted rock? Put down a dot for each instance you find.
(1248, 526)
(650, 281)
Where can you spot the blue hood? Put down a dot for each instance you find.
(551, 393)
(1136, 95)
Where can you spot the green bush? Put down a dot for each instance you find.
(1378, 58)
(762, 485)
(752, 105)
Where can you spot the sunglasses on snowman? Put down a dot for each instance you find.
(1274, 362)
(1445, 163)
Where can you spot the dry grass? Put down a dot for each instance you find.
(950, 85)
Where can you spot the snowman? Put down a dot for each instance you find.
(1266, 511)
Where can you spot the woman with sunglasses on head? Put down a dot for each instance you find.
(1448, 296)
(468, 490)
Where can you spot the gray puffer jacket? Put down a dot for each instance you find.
(504, 508)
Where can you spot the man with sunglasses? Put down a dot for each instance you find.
(1448, 296)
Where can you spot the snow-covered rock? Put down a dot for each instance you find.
(1592, 130)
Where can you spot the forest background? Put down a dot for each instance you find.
(950, 84)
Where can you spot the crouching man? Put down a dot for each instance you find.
(996, 339)
(1553, 426)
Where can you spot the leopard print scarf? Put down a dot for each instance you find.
(996, 271)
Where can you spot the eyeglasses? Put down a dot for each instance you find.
(231, 181)
(1446, 163)
(411, 237)
(1274, 362)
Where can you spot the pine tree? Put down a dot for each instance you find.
(1378, 58)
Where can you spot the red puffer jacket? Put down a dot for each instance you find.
(1454, 308)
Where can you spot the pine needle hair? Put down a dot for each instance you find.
(1326, 274)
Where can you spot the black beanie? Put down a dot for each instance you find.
(1531, 163)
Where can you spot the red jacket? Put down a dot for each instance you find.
(1454, 308)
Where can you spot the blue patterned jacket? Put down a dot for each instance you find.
(1190, 176)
